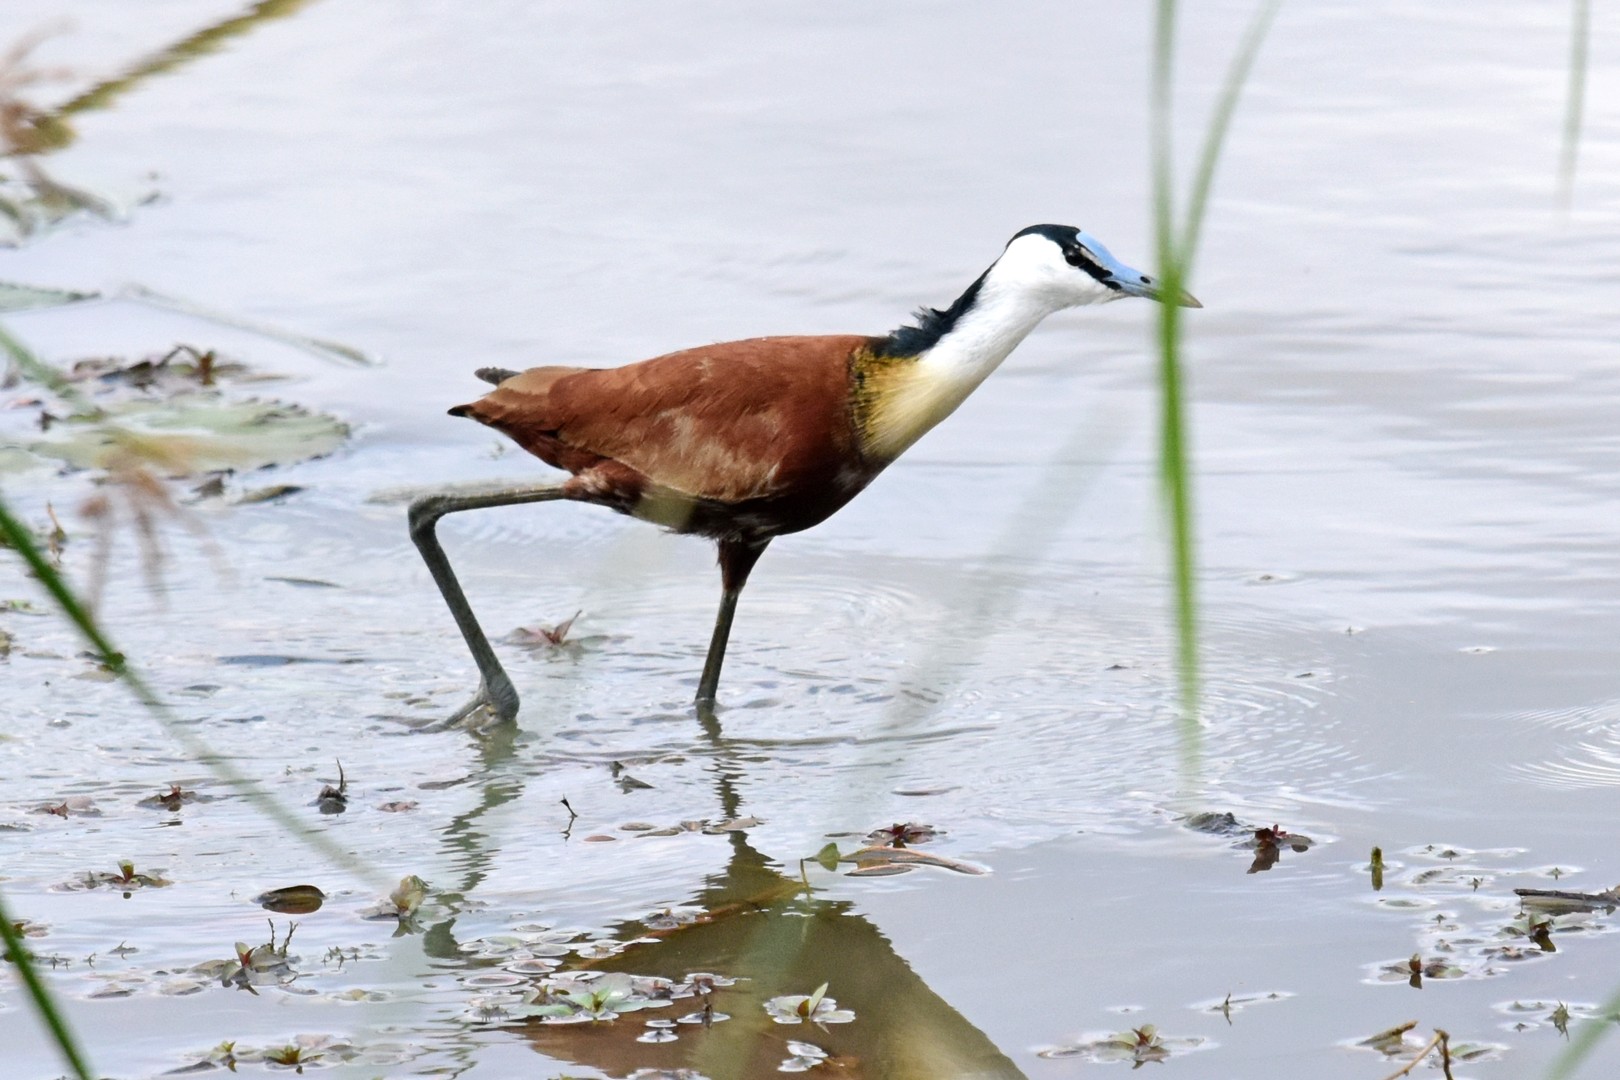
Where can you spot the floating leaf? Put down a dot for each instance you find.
(817, 1008)
(191, 433)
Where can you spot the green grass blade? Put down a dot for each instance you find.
(44, 1003)
(1220, 123)
(1175, 478)
(1575, 100)
(1175, 250)
(1164, 47)
(1174, 467)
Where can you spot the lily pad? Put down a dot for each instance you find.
(192, 433)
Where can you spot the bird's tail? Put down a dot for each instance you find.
(494, 375)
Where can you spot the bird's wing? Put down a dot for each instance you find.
(729, 422)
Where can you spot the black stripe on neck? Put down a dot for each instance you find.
(931, 325)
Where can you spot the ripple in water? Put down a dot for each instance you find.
(1592, 761)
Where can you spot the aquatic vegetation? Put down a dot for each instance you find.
(402, 903)
(1532, 1014)
(806, 1056)
(1395, 1043)
(696, 825)
(525, 943)
(255, 965)
(299, 1052)
(1236, 1003)
(1139, 1046)
(589, 998)
(816, 1008)
(126, 879)
(183, 434)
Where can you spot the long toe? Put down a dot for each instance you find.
(485, 710)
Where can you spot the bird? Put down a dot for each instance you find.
(745, 441)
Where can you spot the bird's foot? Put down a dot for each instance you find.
(492, 706)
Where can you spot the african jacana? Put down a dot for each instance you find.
(745, 441)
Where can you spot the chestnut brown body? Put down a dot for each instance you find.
(740, 441)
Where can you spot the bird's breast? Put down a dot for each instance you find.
(898, 400)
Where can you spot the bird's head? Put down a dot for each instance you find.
(1070, 268)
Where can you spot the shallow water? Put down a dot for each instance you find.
(1404, 396)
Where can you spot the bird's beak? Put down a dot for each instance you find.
(1135, 283)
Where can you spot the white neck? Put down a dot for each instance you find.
(927, 390)
(1000, 318)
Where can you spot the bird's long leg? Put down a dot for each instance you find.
(495, 690)
(737, 559)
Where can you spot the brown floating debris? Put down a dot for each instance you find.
(1566, 900)
(292, 900)
(543, 635)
